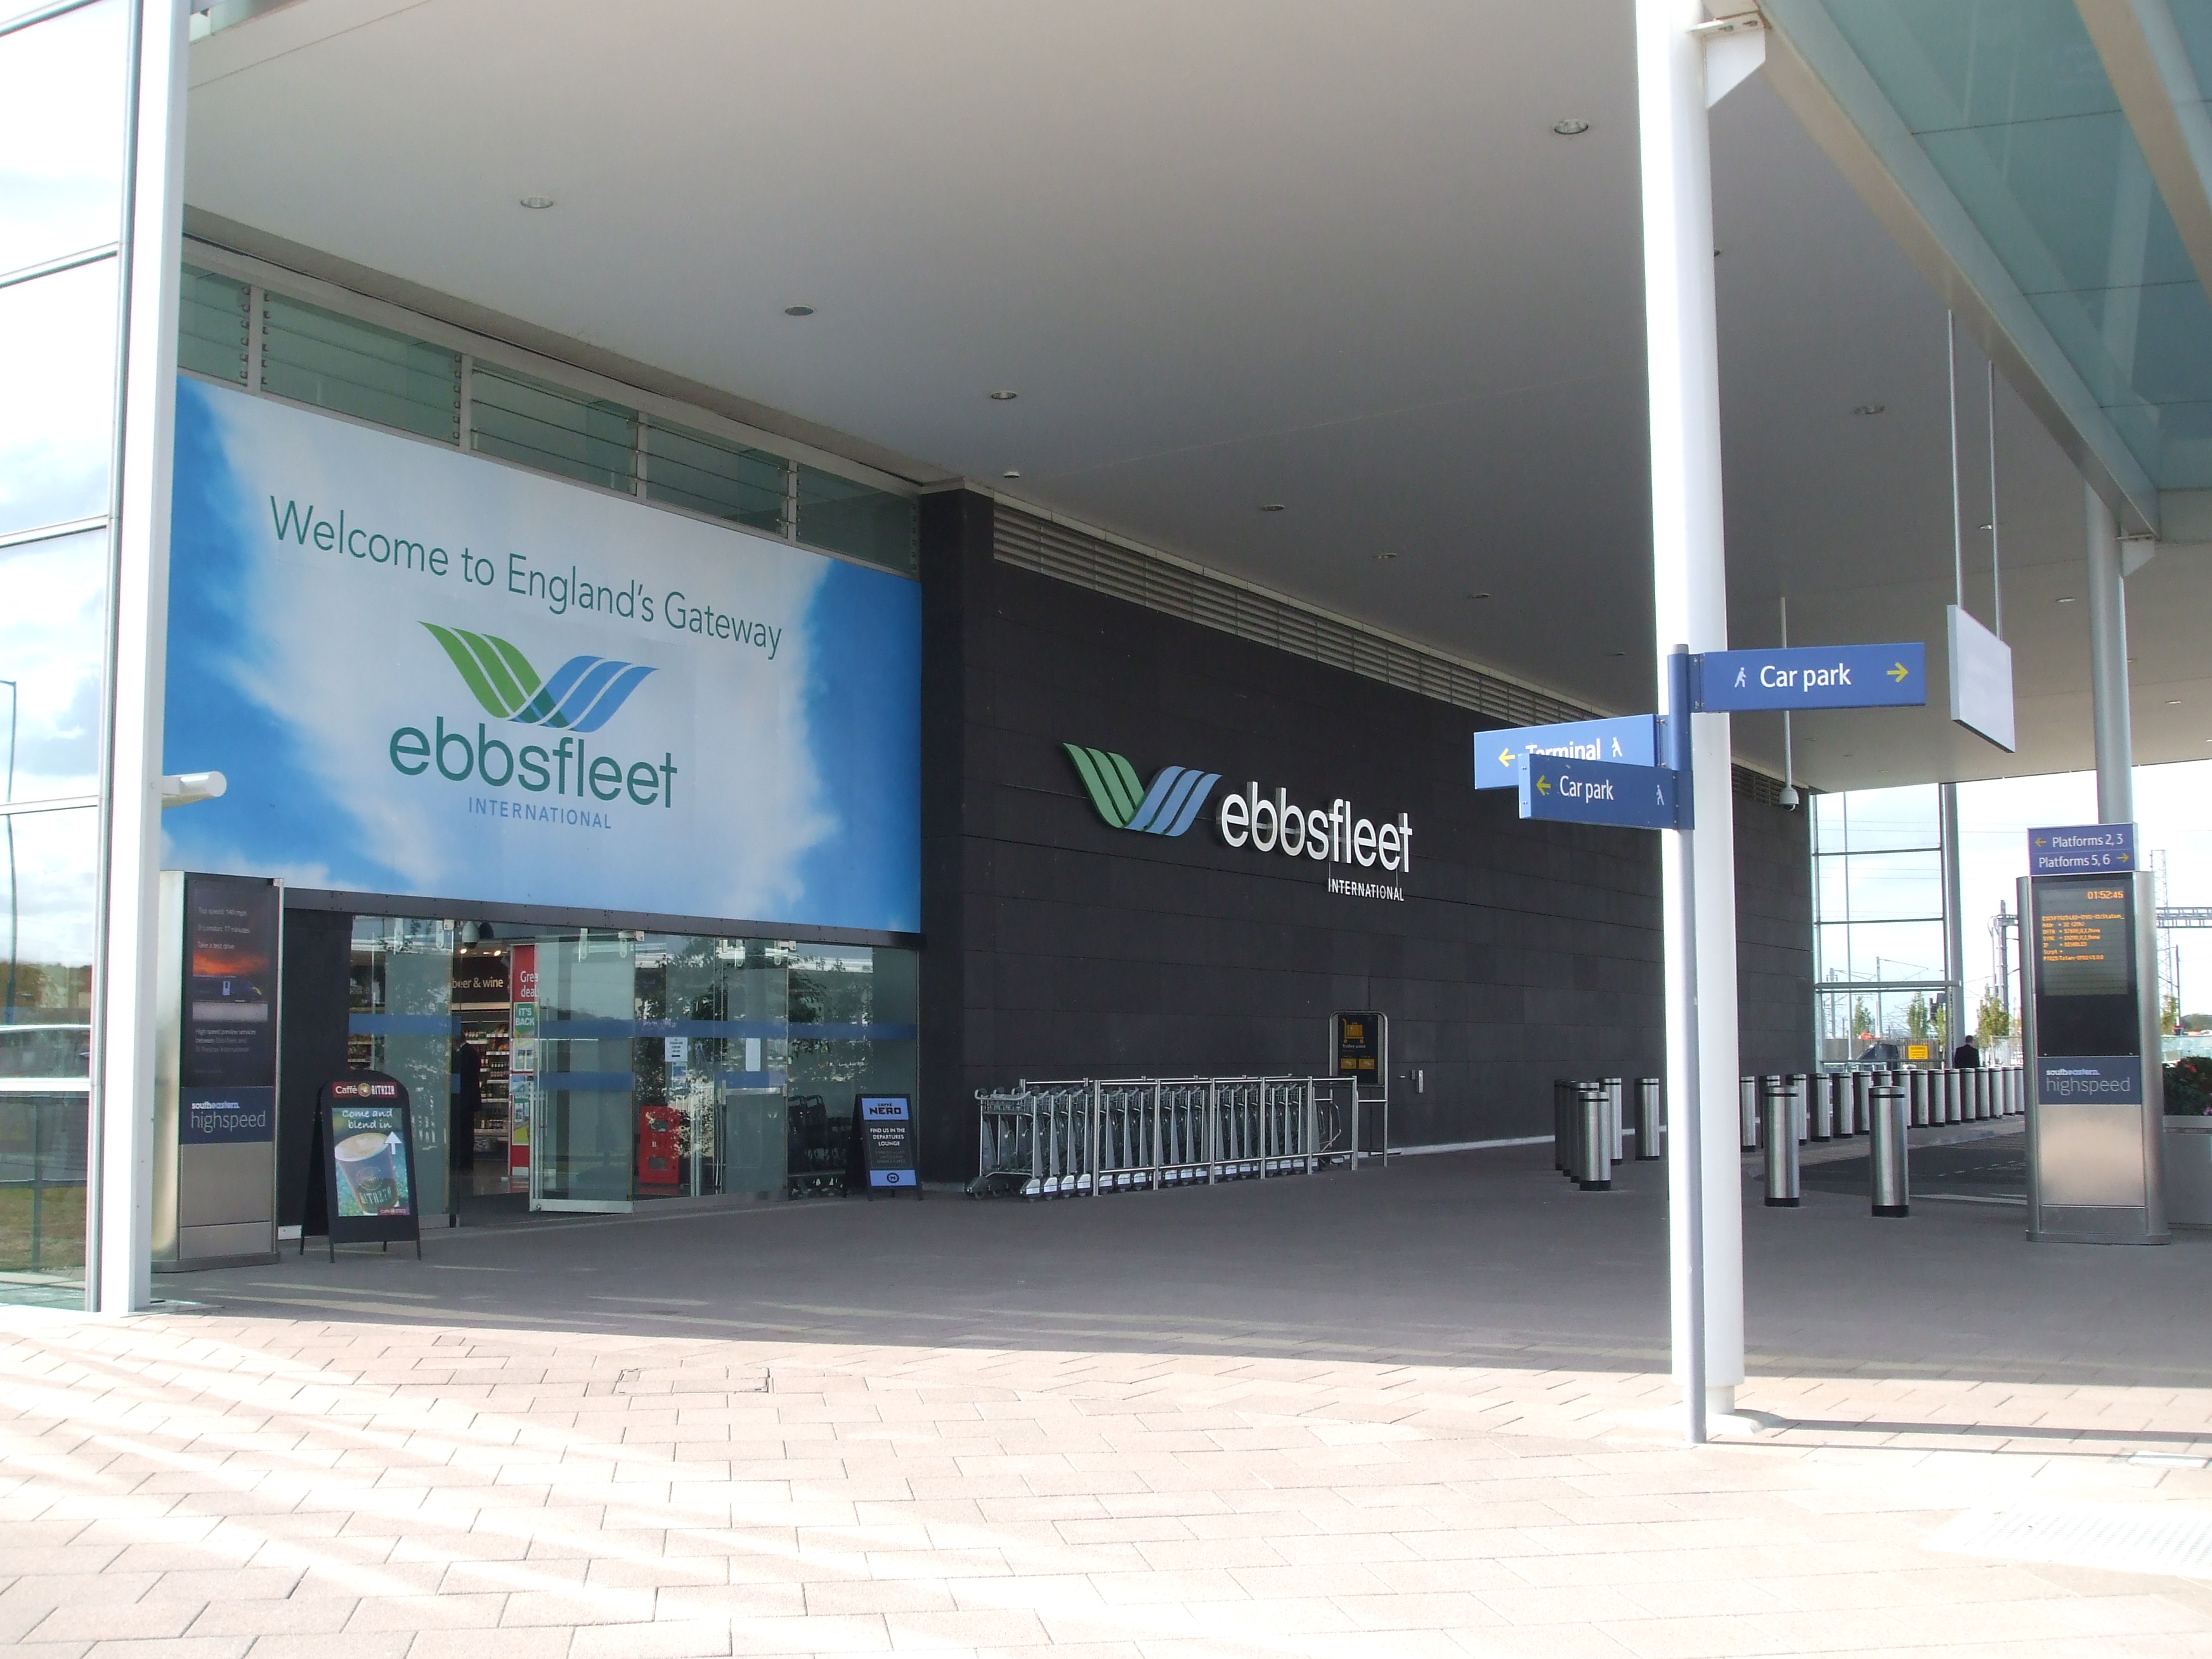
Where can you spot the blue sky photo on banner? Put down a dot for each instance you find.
(428, 674)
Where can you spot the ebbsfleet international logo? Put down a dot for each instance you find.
(578, 698)
(1168, 808)
(583, 694)
(1251, 818)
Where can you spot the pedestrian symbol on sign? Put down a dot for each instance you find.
(1738, 677)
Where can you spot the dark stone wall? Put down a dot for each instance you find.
(311, 1024)
(1060, 946)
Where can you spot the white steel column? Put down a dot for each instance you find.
(2108, 666)
(1954, 931)
(1689, 582)
(119, 1266)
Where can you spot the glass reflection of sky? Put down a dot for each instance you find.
(57, 387)
(52, 629)
(61, 99)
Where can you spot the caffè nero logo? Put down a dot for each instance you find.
(1250, 818)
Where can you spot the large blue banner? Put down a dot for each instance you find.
(428, 674)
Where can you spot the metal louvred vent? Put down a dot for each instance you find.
(1028, 542)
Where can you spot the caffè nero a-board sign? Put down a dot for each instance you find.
(884, 1144)
(365, 1147)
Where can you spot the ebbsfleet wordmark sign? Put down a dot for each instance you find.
(426, 674)
(1250, 818)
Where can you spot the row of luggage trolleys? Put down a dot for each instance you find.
(1055, 1140)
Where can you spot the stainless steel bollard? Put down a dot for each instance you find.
(1594, 1171)
(1779, 1117)
(1650, 1127)
(1820, 1107)
(1617, 1121)
(1747, 1109)
(1891, 1188)
(1954, 1106)
(1916, 1095)
(1861, 1094)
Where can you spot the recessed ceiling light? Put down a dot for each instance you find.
(1869, 409)
(2173, 702)
(798, 311)
(1004, 396)
(1383, 558)
(1573, 127)
(1012, 473)
(1616, 654)
(2066, 599)
(537, 204)
(1478, 596)
(1270, 506)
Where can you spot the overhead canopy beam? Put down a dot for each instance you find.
(1831, 92)
(2158, 92)
(2150, 72)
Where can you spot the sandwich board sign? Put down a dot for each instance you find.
(365, 1140)
(884, 1143)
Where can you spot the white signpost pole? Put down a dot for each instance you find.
(1689, 583)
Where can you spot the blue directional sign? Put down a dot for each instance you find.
(1597, 792)
(1631, 740)
(1810, 676)
(2081, 849)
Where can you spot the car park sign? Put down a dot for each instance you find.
(1810, 676)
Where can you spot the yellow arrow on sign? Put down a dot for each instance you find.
(1900, 673)
(1505, 757)
(1543, 786)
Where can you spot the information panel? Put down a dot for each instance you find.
(1358, 1042)
(2088, 1026)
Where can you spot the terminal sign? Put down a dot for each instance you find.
(1595, 791)
(1632, 741)
(1810, 676)
(2081, 849)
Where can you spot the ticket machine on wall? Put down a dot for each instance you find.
(214, 1089)
(2094, 1096)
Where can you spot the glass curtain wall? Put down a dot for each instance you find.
(626, 1066)
(1881, 992)
(61, 90)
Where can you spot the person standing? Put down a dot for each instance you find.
(1966, 1057)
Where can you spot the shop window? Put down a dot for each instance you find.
(552, 430)
(842, 516)
(214, 326)
(720, 479)
(315, 357)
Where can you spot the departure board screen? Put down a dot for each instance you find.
(2086, 938)
(2085, 967)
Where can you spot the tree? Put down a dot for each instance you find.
(1863, 1021)
(2169, 1013)
(1994, 1017)
(1918, 1021)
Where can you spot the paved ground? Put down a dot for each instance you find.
(1419, 1412)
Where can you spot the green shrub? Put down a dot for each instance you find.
(2188, 1087)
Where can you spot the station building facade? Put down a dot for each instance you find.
(644, 785)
